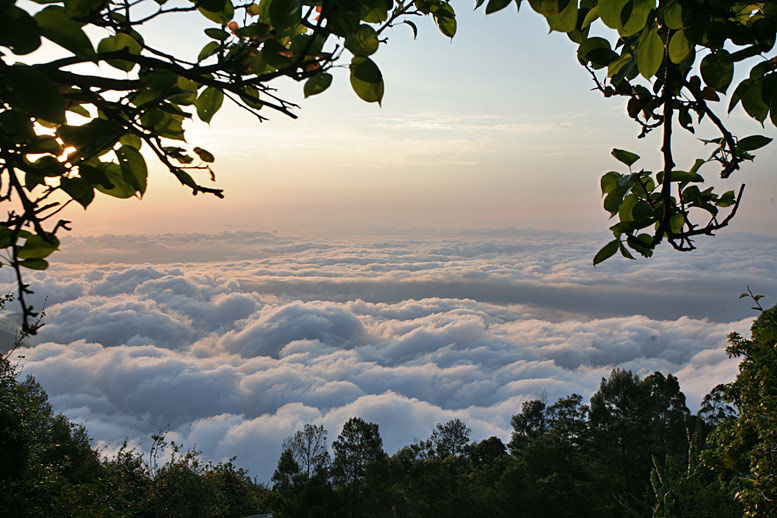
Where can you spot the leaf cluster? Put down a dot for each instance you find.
(673, 60)
(744, 446)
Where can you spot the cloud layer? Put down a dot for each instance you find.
(234, 355)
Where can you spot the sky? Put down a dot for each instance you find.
(497, 127)
(410, 263)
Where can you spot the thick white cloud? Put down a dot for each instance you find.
(235, 355)
(275, 327)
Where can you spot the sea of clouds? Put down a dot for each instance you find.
(234, 341)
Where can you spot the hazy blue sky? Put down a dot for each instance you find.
(498, 127)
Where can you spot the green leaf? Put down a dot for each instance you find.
(617, 66)
(6, 237)
(641, 211)
(185, 178)
(363, 42)
(163, 123)
(690, 194)
(676, 223)
(60, 28)
(752, 142)
(94, 174)
(344, 19)
(753, 103)
(413, 27)
(46, 165)
(697, 165)
(282, 10)
(45, 144)
(92, 139)
(607, 251)
(80, 110)
(609, 181)
(119, 188)
(717, 70)
(250, 96)
(16, 125)
(366, 79)
(613, 200)
(650, 54)
(641, 244)
(739, 92)
(639, 14)
(549, 8)
(208, 103)
(317, 84)
(217, 34)
(208, 50)
(373, 14)
(32, 180)
(35, 264)
(685, 177)
(591, 17)
(83, 8)
(133, 168)
(610, 12)
(35, 247)
(624, 211)
(178, 153)
(566, 20)
(78, 189)
(773, 110)
(120, 42)
(627, 157)
(221, 16)
(726, 199)
(445, 18)
(18, 31)
(36, 92)
(625, 252)
(205, 155)
(130, 139)
(596, 50)
(275, 54)
(496, 5)
(210, 5)
(673, 16)
(679, 47)
(447, 25)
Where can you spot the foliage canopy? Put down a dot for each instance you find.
(744, 445)
(673, 60)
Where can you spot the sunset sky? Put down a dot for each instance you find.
(410, 263)
(497, 127)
